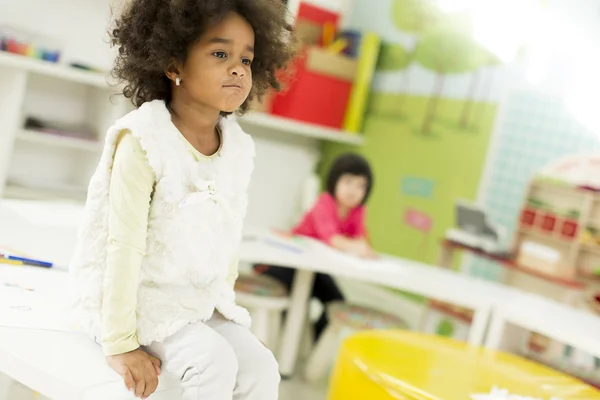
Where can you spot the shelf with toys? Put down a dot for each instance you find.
(328, 83)
(53, 121)
(48, 68)
(512, 264)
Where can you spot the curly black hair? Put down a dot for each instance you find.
(353, 164)
(151, 34)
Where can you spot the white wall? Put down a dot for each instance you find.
(282, 165)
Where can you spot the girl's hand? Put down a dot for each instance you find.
(371, 254)
(363, 250)
(368, 252)
(356, 247)
(139, 370)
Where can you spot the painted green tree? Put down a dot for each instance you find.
(394, 57)
(415, 17)
(490, 63)
(478, 59)
(444, 51)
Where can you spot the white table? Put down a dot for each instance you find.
(47, 231)
(39, 349)
(37, 345)
(309, 257)
(525, 312)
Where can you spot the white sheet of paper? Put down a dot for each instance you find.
(23, 309)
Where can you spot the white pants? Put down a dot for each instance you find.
(219, 360)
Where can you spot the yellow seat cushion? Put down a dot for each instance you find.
(377, 365)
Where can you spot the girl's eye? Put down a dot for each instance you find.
(220, 54)
(247, 61)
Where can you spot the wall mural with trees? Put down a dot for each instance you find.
(429, 122)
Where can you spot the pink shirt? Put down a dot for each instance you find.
(322, 222)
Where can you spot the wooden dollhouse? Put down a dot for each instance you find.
(559, 230)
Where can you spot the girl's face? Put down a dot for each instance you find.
(218, 73)
(351, 190)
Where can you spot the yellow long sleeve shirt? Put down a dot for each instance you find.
(131, 187)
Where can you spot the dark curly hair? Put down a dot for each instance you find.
(151, 34)
(353, 164)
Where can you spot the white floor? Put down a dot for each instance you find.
(293, 389)
(297, 389)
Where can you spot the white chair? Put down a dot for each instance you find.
(266, 299)
(344, 319)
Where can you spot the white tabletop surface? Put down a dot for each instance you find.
(62, 365)
(37, 345)
(574, 327)
(44, 230)
(265, 246)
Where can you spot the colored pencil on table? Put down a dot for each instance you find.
(10, 262)
(27, 261)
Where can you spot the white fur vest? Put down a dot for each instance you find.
(194, 228)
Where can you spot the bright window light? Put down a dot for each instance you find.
(501, 26)
(582, 98)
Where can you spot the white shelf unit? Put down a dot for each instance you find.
(277, 125)
(41, 165)
(33, 136)
(54, 193)
(60, 71)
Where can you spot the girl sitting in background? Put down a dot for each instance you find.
(338, 219)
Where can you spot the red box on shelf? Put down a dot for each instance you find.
(548, 222)
(318, 15)
(320, 89)
(528, 217)
(569, 229)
